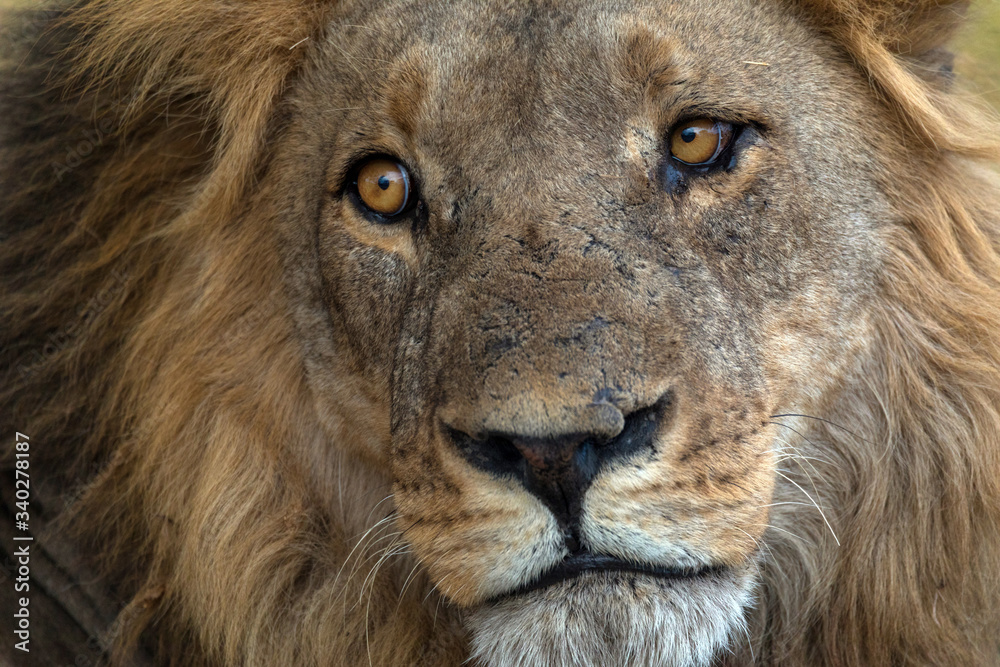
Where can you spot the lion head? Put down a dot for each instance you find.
(549, 333)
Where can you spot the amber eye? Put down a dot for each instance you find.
(700, 141)
(384, 186)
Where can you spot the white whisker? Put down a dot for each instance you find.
(815, 504)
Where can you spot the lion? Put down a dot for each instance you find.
(556, 333)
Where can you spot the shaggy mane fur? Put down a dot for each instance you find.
(146, 347)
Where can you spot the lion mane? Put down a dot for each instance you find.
(148, 352)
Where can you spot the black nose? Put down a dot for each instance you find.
(558, 470)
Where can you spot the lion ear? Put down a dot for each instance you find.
(917, 31)
(938, 67)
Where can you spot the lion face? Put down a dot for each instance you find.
(564, 342)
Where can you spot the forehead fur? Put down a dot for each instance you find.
(238, 58)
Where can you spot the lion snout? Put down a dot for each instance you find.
(559, 468)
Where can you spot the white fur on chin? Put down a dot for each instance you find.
(607, 619)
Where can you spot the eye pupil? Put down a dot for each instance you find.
(384, 182)
(688, 135)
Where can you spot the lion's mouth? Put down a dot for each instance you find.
(578, 563)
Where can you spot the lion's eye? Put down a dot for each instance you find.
(383, 186)
(700, 141)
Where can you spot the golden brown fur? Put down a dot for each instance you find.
(216, 425)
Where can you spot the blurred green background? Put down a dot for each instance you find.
(977, 49)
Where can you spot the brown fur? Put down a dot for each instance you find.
(239, 377)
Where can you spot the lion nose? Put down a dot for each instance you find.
(559, 469)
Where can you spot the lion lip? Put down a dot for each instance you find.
(578, 563)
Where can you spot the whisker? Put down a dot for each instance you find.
(796, 432)
(375, 507)
(825, 421)
(391, 551)
(815, 504)
(798, 458)
(435, 587)
(406, 583)
(365, 558)
(786, 502)
(771, 526)
(361, 541)
(795, 451)
(746, 633)
(760, 547)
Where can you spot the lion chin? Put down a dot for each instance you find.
(615, 618)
